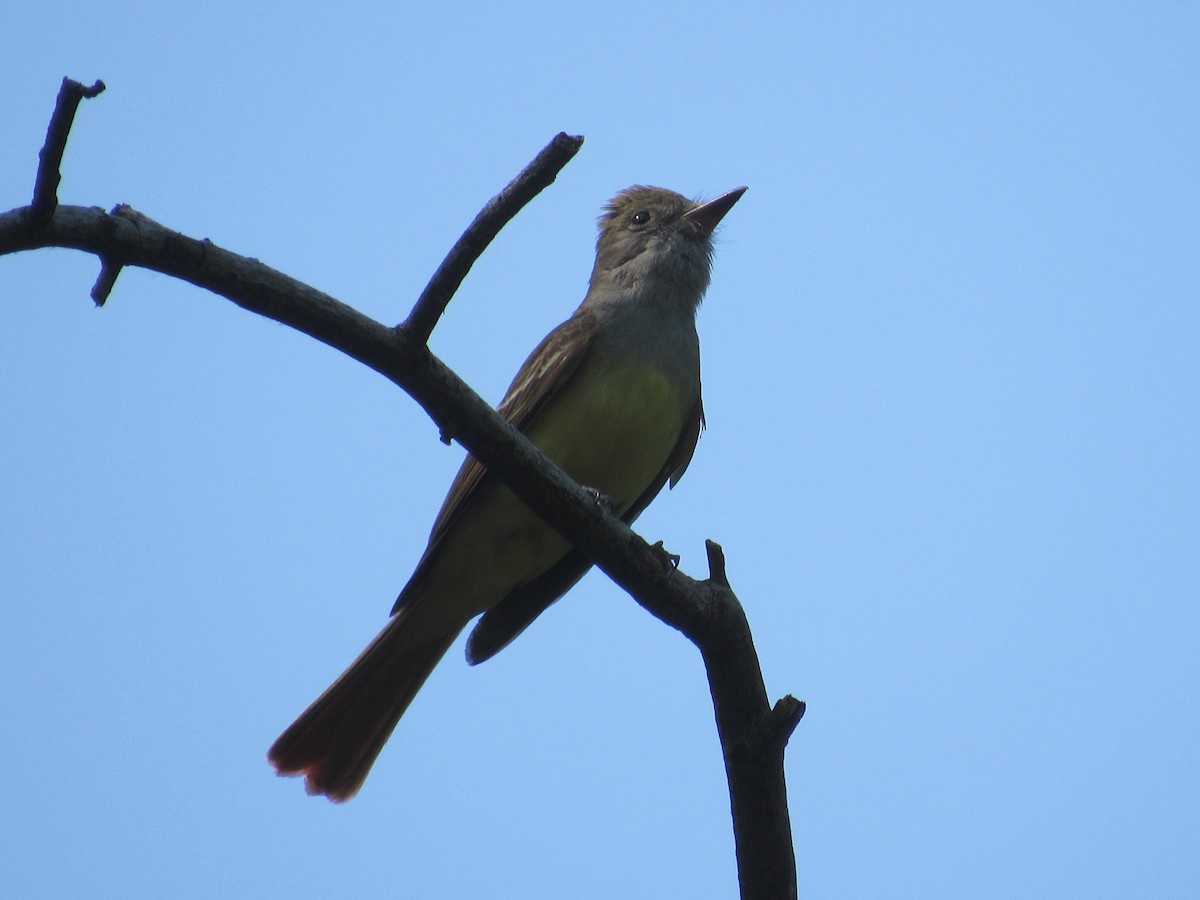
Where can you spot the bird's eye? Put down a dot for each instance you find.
(641, 217)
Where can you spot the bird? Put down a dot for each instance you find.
(612, 396)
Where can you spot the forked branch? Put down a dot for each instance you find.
(753, 734)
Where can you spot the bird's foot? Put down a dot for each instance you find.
(671, 559)
(602, 499)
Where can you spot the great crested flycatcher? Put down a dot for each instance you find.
(612, 395)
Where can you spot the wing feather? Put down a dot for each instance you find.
(540, 377)
(501, 624)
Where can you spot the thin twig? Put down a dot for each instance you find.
(106, 280)
(532, 180)
(716, 564)
(45, 188)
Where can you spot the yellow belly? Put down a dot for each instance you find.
(611, 430)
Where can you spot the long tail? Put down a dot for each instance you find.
(335, 741)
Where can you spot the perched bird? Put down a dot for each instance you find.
(612, 395)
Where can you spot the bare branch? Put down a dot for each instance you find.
(776, 729)
(752, 734)
(716, 564)
(707, 612)
(753, 763)
(532, 180)
(106, 280)
(45, 188)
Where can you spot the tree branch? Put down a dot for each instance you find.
(753, 736)
(45, 188)
(532, 180)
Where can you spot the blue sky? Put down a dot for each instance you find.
(951, 376)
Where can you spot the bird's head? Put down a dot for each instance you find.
(657, 241)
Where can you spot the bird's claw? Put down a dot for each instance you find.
(602, 499)
(671, 558)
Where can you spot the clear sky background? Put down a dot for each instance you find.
(951, 364)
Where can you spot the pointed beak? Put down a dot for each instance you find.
(705, 217)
